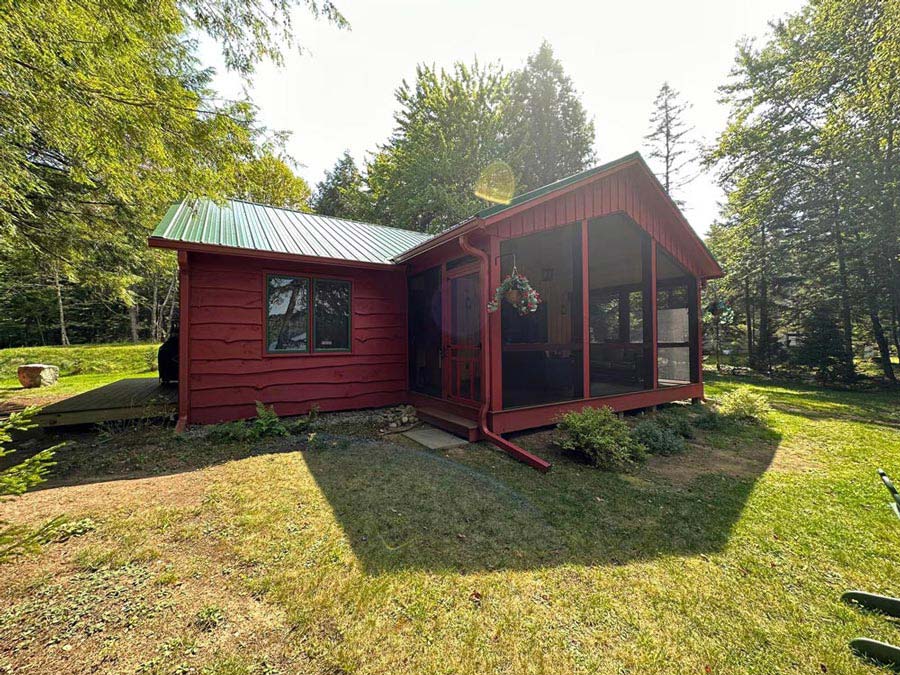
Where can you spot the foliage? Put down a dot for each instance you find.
(107, 116)
(744, 404)
(675, 419)
(527, 298)
(266, 424)
(809, 163)
(598, 435)
(547, 133)
(822, 345)
(669, 139)
(343, 192)
(268, 179)
(454, 125)
(16, 479)
(448, 128)
(658, 439)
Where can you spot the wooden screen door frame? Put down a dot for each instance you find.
(460, 357)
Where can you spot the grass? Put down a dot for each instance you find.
(81, 367)
(367, 556)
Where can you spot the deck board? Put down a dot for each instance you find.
(132, 398)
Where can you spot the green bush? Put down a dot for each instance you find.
(266, 424)
(709, 419)
(676, 420)
(658, 439)
(209, 618)
(745, 405)
(599, 436)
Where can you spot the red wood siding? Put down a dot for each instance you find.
(228, 369)
(627, 191)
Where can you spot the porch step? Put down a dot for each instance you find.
(455, 424)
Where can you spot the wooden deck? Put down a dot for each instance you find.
(134, 398)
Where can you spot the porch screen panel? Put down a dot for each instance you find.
(616, 280)
(676, 309)
(542, 352)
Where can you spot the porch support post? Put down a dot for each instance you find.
(494, 327)
(648, 264)
(694, 334)
(585, 313)
(184, 340)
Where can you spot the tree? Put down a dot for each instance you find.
(548, 135)
(448, 129)
(669, 139)
(814, 115)
(268, 179)
(343, 192)
(107, 117)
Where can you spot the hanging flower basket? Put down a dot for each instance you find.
(516, 290)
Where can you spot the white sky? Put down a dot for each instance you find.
(340, 94)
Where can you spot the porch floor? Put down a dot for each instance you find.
(132, 398)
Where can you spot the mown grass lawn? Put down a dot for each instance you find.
(355, 555)
(81, 367)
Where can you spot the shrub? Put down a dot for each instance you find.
(676, 421)
(709, 419)
(267, 423)
(601, 438)
(658, 439)
(744, 404)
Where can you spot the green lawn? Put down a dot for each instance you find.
(358, 555)
(81, 367)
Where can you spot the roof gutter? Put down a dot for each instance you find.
(510, 448)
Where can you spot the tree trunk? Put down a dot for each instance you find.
(154, 311)
(844, 288)
(895, 329)
(63, 334)
(748, 308)
(884, 350)
(133, 317)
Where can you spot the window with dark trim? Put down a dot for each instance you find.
(305, 315)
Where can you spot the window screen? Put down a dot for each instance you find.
(331, 302)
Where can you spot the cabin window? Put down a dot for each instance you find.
(307, 315)
(331, 325)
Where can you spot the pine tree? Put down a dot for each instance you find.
(669, 139)
(343, 192)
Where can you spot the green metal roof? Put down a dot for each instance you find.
(239, 224)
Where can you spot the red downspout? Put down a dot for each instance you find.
(510, 448)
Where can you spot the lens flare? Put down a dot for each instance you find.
(496, 184)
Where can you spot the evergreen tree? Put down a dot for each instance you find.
(343, 192)
(669, 139)
(548, 135)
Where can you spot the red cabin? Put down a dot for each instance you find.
(295, 310)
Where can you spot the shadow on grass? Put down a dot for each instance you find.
(475, 509)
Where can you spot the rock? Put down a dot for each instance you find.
(393, 425)
(404, 419)
(37, 375)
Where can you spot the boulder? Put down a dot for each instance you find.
(38, 375)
